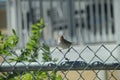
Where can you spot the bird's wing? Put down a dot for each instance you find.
(65, 41)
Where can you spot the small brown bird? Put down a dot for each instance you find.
(63, 43)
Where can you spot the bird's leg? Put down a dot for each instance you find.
(68, 50)
(66, 53)
(67, 59)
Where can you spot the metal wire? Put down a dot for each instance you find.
(65, 67)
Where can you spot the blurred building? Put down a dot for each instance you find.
(81, 21)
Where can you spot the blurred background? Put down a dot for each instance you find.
(86, 22)
(80, 21)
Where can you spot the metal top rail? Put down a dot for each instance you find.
(49, 66)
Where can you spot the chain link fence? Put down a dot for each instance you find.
(75, 63)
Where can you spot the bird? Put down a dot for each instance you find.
(63, 43)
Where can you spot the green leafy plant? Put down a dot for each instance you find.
(9, 43)
(29, 53)
(46, 53)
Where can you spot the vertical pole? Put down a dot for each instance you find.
(19, 23)
(41, 12)
(30, 15)
(25, 23)
(70, 17)
(30, 10)
(8, 15)
(41, 8)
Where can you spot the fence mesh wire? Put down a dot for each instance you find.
(86, 63)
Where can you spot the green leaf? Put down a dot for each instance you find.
(29, 47)
(43, 74)
(17, 77)
(32, 42)
(46, 48)
(13, 31)
(13, 59)
(34, 31)
(35, 27)
(0, 33)
(1, 37)
(59, 77)
(2, 47)
(46, 53)
(5, 52)
(41, 21)
(27, 76)
(46, 57)
(38, 24)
